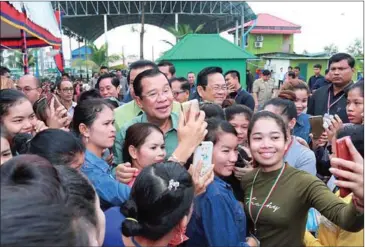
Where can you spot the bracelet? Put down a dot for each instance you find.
(174, 159)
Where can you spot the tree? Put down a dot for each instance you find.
(356, 48)
(331, 49)
(183, 30)
(97, 58)
(15, 59)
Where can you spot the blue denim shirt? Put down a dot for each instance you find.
(218, 219)
(302, 128)
(99, 174)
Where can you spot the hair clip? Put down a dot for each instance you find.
(174, 184)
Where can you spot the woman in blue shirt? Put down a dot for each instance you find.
(302, 127)
(93, 121)
(218, 218)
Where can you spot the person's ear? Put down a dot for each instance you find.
(139, 102)
(118, 89)
(292, 123)
(132, 151)
(84, 130)
(200, 90)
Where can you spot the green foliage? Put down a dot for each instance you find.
(356, 48)
(119, 66)
(183, 30)
(331, 49)
(15, 59)
(97, 58)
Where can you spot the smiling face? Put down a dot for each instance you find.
(156, 98)
(216, 89)
(301, 101)
(355, 106)
(225, 154)
(267, 142)
(107, 89)
(20, 118)
(150, 152)
(240, 123)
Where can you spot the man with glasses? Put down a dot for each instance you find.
(180, 89)
(65, 92)
(332, 99)
(30, 86)
(154, 96)
(211, 85)
(130, 110)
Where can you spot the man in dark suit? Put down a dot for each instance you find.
(332, 98)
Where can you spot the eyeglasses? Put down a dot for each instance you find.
(155, 95)
(67, 90)
(25, 89)
(176, 93)
(217, 88)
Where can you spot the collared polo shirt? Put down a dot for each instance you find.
(263, 89)
(171, 140)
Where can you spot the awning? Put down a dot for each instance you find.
(41, 28)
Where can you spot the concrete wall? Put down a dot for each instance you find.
(271, 43)
(183, 67)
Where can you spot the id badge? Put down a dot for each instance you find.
(254, 237)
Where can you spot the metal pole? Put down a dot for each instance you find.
(87, 58)
(78, 40)
(106, 37)
(217, 25)
(177, 25)
(35, 54)
(236, 33)
(243, 30)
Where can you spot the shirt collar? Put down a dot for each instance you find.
(221, 183)
(344, 90)
(300, 119)
(174, 119)
(92, 159)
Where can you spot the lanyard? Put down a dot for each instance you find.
(328, 101)
(266, 199)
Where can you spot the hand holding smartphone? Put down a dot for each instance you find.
(204, 153)
(343, 152)
(316, 123)
(190, 106)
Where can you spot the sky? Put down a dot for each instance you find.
(322, 23)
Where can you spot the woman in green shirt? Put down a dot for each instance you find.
(277, 196)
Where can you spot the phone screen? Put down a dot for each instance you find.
(316, 123)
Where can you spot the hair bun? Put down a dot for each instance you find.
(131, 226)
(287, 94)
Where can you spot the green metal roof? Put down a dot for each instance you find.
(205, 46)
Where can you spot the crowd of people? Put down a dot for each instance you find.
(110, 163)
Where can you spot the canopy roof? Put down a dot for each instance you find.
(85, 18)
(269, 24)
(41, 30)
(205, 46)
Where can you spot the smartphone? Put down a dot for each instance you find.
(191, 105)
(204, 152)
(316, 123)
(343, 152)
